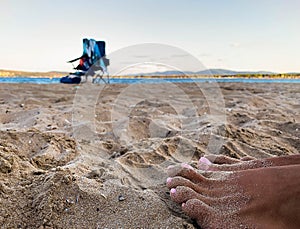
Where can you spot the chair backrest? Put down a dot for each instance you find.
(93, 54)
(101, 46)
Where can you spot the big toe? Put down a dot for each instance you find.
(197, 209)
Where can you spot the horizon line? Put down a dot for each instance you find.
(208, 69)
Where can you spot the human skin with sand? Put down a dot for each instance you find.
(239, 194)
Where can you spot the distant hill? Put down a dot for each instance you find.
(12, 73)
(231, 72)
(209, 72)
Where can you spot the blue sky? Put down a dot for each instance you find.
(41, 35)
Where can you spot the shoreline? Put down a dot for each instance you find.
(277, 76)
(58, 74)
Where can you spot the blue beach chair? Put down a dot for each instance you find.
(92, 62)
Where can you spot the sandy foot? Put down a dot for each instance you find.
(255, 198)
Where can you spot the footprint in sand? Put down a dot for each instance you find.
(42, 150)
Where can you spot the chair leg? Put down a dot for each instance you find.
(100, 77)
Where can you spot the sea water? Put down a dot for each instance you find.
(152, 80)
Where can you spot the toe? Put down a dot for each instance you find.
(221, 159)
(206, 165)
(200, 211)
(172, 171)
(187, 173)
(182, 194)
(173, 182)
(177, 169)
(248, 158)
(180, 181)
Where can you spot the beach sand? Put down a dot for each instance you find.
(94, 156)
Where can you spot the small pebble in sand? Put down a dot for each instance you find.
(68, 201)
(121, 198)
(103, 195)
(67, 121)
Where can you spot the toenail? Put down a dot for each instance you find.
(184, 165)
(169, 179)
(173, 191)
(204, 161)
(203, 166)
